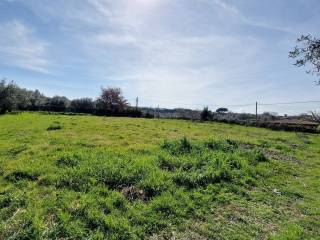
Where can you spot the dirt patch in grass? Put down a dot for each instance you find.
(133, 193)
(280, 156)
(268, 153)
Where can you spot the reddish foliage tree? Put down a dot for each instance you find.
(111, 101)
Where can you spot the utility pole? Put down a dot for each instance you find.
(256, 112)
(137, 102)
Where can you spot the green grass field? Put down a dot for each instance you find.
(87, 177)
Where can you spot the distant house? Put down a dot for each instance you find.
(296, 123)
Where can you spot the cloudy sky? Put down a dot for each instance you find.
(172, 53)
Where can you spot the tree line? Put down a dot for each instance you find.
(110, 102)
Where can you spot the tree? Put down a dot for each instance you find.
(222, 110)
(7, 96)
(22, 99)
(206, 114)
(37, 101)
(111, 101)
(316, 116)
(58, 104)
(308, 53)
(82, 105)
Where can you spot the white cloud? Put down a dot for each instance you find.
(122, 45)
(170, 51)
(129, 15)
(234, 12)
(20, 48)
(114, 39)
(172, 68)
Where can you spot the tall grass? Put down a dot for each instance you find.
(109, 178)
(88, 188)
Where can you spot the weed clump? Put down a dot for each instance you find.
(22, 175)
(155, 183)
(69, 160)
(260, 156)
(178, 147)
(209, 162)
(55, 126)
(221, 145)
(17, 150)
(166, 162)
(11, 199)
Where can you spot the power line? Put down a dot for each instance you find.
(173, 102)
(197, 104)
(287, 103)
(233, 105)
(240, 105)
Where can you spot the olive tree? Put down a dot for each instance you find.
(58, 104)
(307, 52)
(7, 96)
(82, 105)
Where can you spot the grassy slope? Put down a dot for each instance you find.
(67, 183)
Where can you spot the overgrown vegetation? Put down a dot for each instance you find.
(122, 178)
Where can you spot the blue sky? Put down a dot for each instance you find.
(172, 53)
